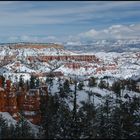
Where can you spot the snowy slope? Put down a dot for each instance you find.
(127, 63)
(10, 120)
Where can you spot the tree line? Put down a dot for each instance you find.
(113, 119)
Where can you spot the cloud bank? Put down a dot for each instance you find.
(27, 38)
(113, 32)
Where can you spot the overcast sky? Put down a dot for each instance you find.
(68, 20)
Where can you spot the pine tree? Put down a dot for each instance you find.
(37, 82)
(3, 128)
(116, 124)
(23, 130)
(3, 80)
(103, 119)
(49, 81)
(80, 86)
(87, 115)
(11, 131)
(102, 84)
(32, 82)
(74, 125)
(41, 133)
(116, 87)
(61, 90)
(49, 122)
(66, 86)
(129, 119)
(27, 85)
(101, 125)
(92, 82)
(21, 81)
(59, 122)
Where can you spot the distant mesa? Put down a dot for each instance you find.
(35, 45)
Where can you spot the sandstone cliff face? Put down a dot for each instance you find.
(87, 58)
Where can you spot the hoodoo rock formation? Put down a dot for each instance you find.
(28, 102)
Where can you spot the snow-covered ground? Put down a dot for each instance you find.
(8, 118)
(127, 63)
